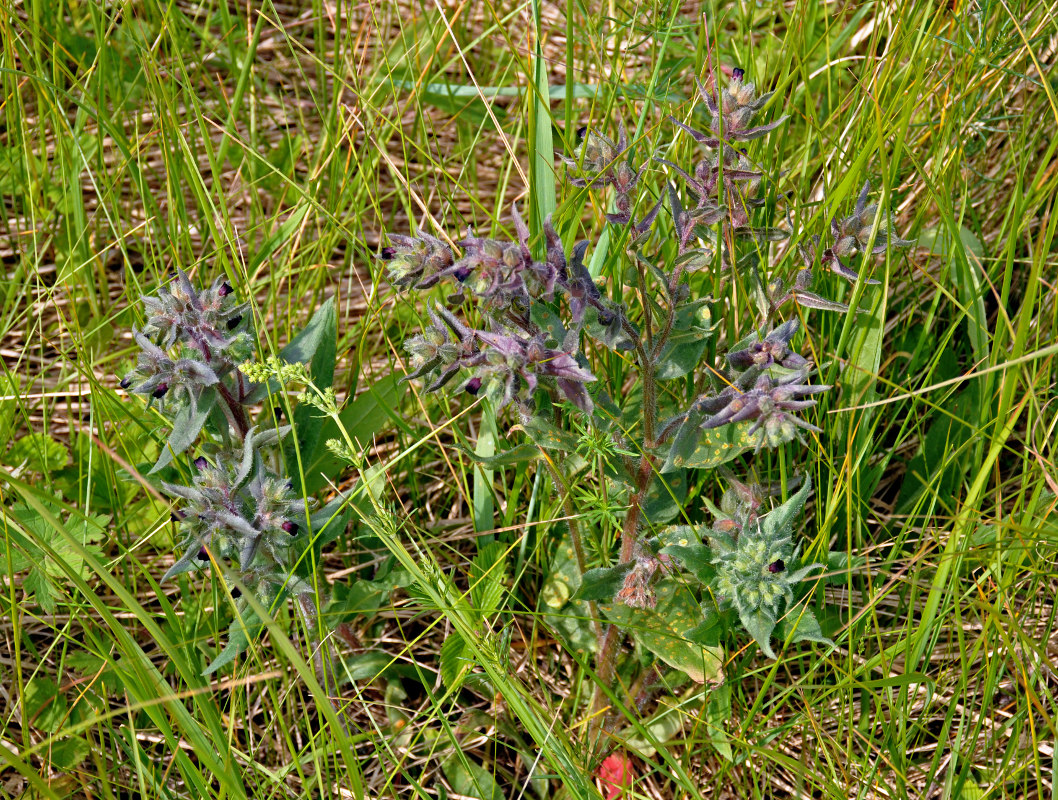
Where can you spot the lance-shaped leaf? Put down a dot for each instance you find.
(602, 583)
(187, 424)
(664, 630)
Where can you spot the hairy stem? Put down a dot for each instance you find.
(235, 411)
(611, 643)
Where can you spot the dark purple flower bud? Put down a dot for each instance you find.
(125, 383)
(290, 527)
(581, 132)
(776, 566)
(473, 386)
(737, 73)
(176, 516)
(462, 273)
(161, 390)
(225, 289)
(233, 323)
(203, 554)
(236, 592)
(201, 463)
(387, 253)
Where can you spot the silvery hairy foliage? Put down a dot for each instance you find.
(547, 322)
(237, 512)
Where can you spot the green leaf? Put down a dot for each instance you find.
(520, 454)
(710, 448)
(487, 573)
(283, 234)
(546, 435)
(801, 625)
(38, 452)
(695, 558)
(38, 584)
(542, 196)
(454, 662)
(602, 583)
(484, 507)
(361, 419)
(664, 499)
(760, 625)
(663, 630)
(366, 666)
(187, 424)
(571, 620)
(68, 753)
(45, 706)
(779, 522)
(717, 712)
(659, 729)
(470, 779)
(239, 637)
(690, 333)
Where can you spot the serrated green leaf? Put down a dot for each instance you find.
(45, 706)
(663, 630)
(38, 452)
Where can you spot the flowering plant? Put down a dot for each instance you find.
(676, 589)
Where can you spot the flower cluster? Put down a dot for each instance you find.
(717, 178)
(190, 341)
(505, 366)
(636, 590)
(598, 156)
(851, 235)
(767, 385)
(757, 565)
(238, 509)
